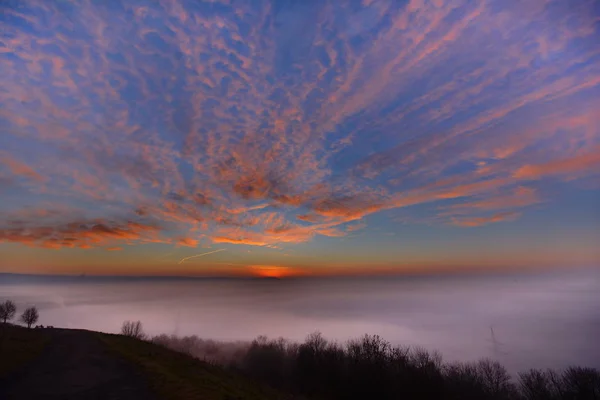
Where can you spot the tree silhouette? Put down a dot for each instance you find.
(371, 368)
(30, 316)
(8, 309)
(133, 329)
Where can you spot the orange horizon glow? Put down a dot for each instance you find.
(273, 271)
(291, 272)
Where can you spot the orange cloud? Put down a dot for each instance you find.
(309, 217)
(589, 161)
(479, 221)
(189, 242)
(239, 240)
(347, 208)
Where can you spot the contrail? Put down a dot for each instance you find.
(200, 255)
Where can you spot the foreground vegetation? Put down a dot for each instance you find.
(175, 376)
(371, 368)
(367, 368)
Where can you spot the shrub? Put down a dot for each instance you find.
(133, 329)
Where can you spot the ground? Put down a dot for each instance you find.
(76, 365)
(72, 364)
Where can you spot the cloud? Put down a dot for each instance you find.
(189, 242)
(159, 122)
(586, 162)
(519, 197)
(19, 168)
(83, 234)
(239, 240)
(479, 221)
(347, 208)
(199, 255)
(356, 227)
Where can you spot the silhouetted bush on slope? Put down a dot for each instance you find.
(133, 329)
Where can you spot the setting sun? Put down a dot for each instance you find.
(270, 271)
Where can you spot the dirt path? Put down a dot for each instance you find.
(76, 365)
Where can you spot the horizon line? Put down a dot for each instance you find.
(330, 275)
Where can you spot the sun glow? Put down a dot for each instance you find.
(270, 271)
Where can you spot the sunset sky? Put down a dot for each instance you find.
(298, 137)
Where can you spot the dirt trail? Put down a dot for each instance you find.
(76, 365)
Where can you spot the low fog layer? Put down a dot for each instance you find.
(523, 321)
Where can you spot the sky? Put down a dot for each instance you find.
(279, 138)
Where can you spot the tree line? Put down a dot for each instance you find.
(8, 310)
(371, 368)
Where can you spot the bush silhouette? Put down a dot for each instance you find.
(133, 329)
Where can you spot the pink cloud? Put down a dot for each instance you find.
(479, 221)
(19, 168)
(520, 197)
(581, 163)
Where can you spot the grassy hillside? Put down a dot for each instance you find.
(19, 346)
(55, 361)
(175, 376)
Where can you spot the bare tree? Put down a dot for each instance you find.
(133, 329)
(8, 309)
(30, 316)
(496, 379)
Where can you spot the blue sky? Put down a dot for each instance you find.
(302, 137)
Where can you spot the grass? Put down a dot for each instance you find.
(171, 375)
(18, 346)
(175, 376)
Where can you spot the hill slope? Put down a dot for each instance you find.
(78, 364)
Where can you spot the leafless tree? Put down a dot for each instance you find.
(8, 309)
(133, 329)
(496, 379)
(30, 316)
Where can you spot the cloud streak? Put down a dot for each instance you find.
(199, 255)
